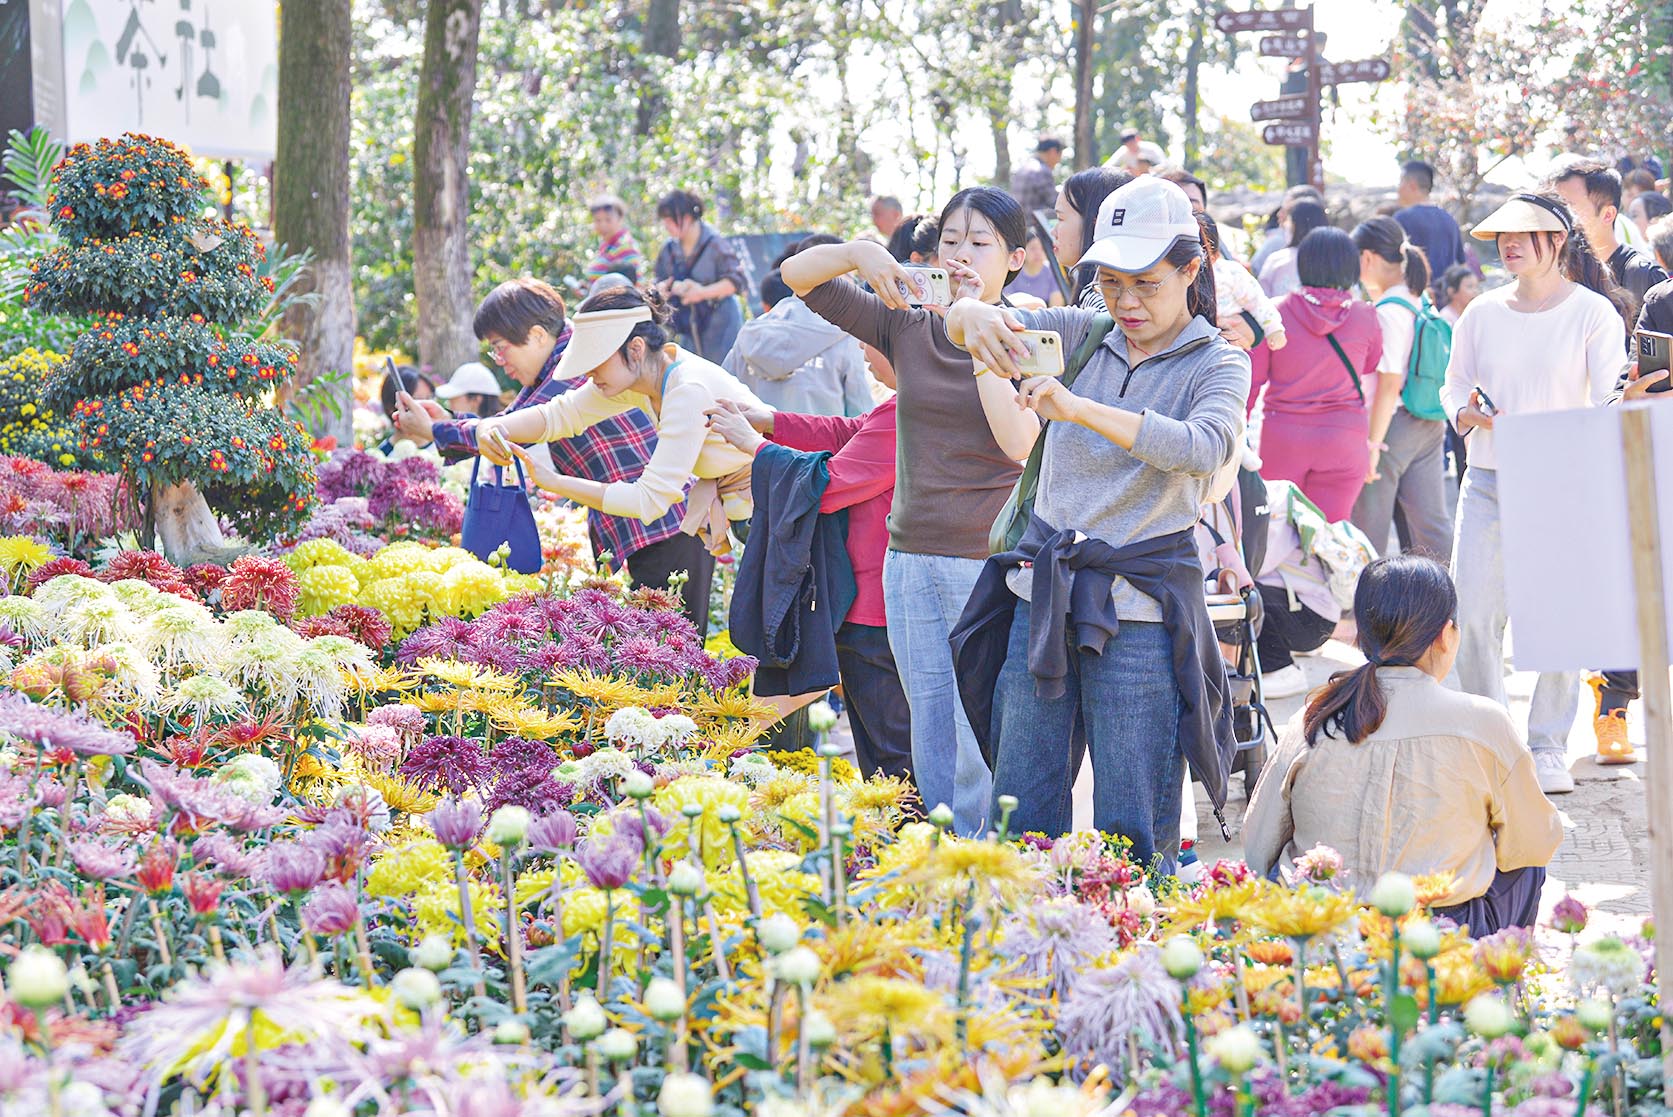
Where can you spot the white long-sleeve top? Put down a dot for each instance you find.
(1566, 356)
(685, 446)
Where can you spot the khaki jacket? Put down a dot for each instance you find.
(1445, 783)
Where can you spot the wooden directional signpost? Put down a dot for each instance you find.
(1297, 116)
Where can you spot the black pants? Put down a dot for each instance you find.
(1619, 688)
(877, 709)
(682, 553)
(1284, 632)
(1512, 900)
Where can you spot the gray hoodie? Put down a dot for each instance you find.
(1192, 398)
(798, 362)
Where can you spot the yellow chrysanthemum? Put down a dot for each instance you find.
(731, 705)
(604, 690)
(534, 888)
(583, 913)
(318, 552)
(1302, 913)
(467, 676)
(408, 868)
(436, 908)
(800, 818)
(779, 882)
(806, 761)
(324, 587)
(21, 554)
(1001, 873)
(887, 795)
(774, 793)
(401, 796)
(714, 837)
(884, 882)
(867, 1005)
(723, 741)
(534, 724)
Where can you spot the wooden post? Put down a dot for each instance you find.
(1639, 454)
(1315, 99)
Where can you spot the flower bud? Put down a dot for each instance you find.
(1595, 1014)
(37, 978)
(692, 810)
(818, 1029)
(664, 1000)
(323, 1106)
(1236, 1049)
(1569, 1033)
(509, 826)
(637, 785)
(434, 953)
(728, 814)
(1487, 1016)
(511, 1032)
(777, 933)
(1182, 958)
(1007, 803)
(821, 718)
(617, 1045)
(1422, 938)
(1394, 895)
(685, 1095)
(942, 816)
(685, 879)
(1569, 916)
(586, 1020)
(798, 966)
(415, 988)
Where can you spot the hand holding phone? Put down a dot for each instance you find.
(926, 286)
(1654, 350)
(1044, 355)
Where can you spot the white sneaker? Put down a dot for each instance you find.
(1554, 777)
(1286, 682)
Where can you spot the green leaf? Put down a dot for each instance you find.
(551, 964)
(1402, 1013)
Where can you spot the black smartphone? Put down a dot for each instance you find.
(1653, 351)
(1488, 408)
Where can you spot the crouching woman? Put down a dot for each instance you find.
(1397, 773)
(1096, 619)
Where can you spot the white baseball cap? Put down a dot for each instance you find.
(470, 378)
(1138, 223)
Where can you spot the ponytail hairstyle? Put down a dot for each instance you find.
(1002, 211)
(900, 241)
(1200, 299)
(1210, 234)
(1085, 191)
(1578, 263)
(1402, 605)
(657, 331)
(1384, 238)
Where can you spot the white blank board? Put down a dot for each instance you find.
(1567, 546)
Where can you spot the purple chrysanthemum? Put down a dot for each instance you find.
(608, 862)
(456, 822)
(292, 868)
(330, 910)
(1057, 940)
(555, 832)
(31, 723)
(446, 639)
(1133, 997)
(98, 860)
(455, 763)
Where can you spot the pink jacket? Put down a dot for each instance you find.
(1306, 378)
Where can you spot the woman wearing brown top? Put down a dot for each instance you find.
(1397, 773)
(952, 478)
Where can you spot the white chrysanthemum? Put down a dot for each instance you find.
(348, 654)
(135, 676)
(265, 663)
(752, 768)
(67, 590)
(604, 764)
(182, 633)
(124, 808)
(203, 696)
(249, 624)
(96, 621)
(141, 596)
(24, 615)
(319, 681)
(677, 729)
(251, 776)
(632, 725)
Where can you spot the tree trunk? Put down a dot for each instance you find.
(1086, 21)
(441, 266)
(998, 118)
(187, 531)
(661, 39)
(1193, 68)
(311, 193)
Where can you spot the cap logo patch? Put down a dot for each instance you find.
(1117, 216)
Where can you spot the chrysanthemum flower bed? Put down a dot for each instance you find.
(276, 845)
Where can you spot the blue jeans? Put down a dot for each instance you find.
(1128, 704)
(924, 596)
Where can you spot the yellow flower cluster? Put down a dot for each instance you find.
(408, 582)
(24, 422)
(806, 761)
(405, 869)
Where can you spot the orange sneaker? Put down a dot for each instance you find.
(1612, 744)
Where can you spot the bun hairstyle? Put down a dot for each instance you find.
(1402, 605)
(1578, 263)
(1002, 211)
(900, 241)
(657, 332)
(1384, 238)
(679, 204)
(1200, 299)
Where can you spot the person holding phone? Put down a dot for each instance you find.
(952, 476)
(1130, 450)
(700, 275)
(1554, 339)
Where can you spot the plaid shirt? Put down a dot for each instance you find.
(615, 449)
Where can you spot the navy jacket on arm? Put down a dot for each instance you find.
(795, 582)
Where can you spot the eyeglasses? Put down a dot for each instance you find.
(497, 351)
(1145, 288)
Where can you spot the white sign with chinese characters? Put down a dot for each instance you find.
(203, 73)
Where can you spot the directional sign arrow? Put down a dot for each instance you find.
(1284, 19)
(1284, 108)
(1294, 133)
(1364, 69)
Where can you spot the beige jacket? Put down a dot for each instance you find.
(1445, 783)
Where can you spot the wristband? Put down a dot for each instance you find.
(1381, 446)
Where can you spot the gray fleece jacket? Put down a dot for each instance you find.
(796, 361)
(1191, 397)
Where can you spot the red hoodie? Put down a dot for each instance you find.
(862, 469)
(1306, 378)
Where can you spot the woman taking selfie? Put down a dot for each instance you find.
(622, 344)
(1128, 456)
(1554, 339)
(951, 479)
(1466, 797)
(699, 273)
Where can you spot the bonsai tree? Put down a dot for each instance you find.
(162, 387)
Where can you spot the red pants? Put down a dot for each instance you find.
(1326, 456)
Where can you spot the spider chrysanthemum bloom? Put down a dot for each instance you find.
(204, 697)
(1056, 940)
(457, 764)
(1108, 1004)
(261, 583)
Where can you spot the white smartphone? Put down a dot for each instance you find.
(1045, 353)
(926, 286)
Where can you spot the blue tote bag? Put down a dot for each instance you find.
(497, 514)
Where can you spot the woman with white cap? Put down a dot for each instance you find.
(471, 390)
(1098, 618)
(1554, 339)
(623, 344)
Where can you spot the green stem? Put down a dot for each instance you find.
(968, 935)
(1585, 1088)
(1199, 1102)
(1390, 995)
(514, 939)
(1301, 986)
(1434, 1018)
(466, 917)
(1487, 1095)
(605, 946)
